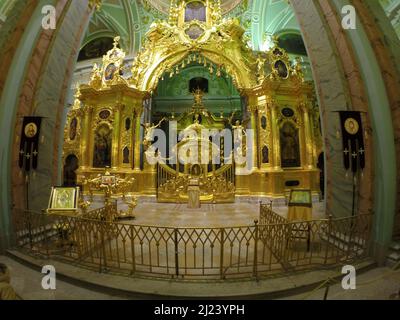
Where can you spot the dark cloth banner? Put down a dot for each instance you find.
(353, 140)
(29, 147)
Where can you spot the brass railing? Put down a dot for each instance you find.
(254, 251)
(217, 186)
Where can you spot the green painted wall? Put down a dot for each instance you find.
(173, 93)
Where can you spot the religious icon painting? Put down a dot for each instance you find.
(195, 10)
(352, 126)
(30, 130)
(264, 123)
(108, 180)
(290, 146)
(110, 71)
(277, 52)
(73, 129)
(194, 32)
(63, 199)
(265, 155)
(300, 197)
(282, 69)
(104, 114)
(102, 147)
(287, 112)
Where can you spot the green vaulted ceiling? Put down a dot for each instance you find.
(163, 5)
(130, 19)
(126, 18)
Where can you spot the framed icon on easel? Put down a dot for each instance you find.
(63, 200)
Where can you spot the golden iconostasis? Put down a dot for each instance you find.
(115, 115)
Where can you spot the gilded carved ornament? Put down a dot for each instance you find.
(169, 43)
(219, 40)
(95, 4)
(271, 103)
(169, 47)
(111, 70)
(221, 43)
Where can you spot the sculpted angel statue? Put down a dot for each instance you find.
(95, 77)
(238, 125)
(239, 128)
(297, 66)
(149, 131)
(137, 66)
(260, 67)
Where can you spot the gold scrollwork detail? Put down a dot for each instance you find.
(221, 46)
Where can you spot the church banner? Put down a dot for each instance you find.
(29, 147)
(353, 140)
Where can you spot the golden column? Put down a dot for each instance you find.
(116, 137)
(137, 141)
(276, 157)
(253, 120)
(308, 137)
(85, 140)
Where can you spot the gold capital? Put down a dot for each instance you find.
(95, 4)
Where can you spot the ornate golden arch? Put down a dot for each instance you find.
(167, 46)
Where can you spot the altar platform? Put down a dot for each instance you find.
(241, 213)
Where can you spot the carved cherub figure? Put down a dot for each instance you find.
(260, 67)
(297, 66)
(96, 76)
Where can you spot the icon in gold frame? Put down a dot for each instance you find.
(30, 130)
(108, 180)
(351, 125)
(63, 199)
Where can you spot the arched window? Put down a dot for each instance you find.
(293, 43)
(70, 166)
(127, 124)
(198, 83)
(96, 49)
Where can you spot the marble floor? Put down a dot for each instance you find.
(241, 213)
(27, 284)
(376, 284)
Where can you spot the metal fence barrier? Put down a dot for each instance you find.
(268, 247)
